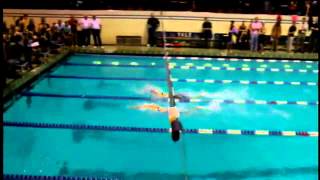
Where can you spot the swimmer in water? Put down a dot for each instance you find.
(159, 94)
(152, 107)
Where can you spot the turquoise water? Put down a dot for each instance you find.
(132, 155)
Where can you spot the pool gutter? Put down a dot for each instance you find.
(13, 88)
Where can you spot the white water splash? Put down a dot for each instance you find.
(280, 113)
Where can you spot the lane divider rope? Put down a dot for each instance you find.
(212, 81)
(198, 67)
(244, 60)
(163, 130)
(37, 177)
(299, 83)
(245, 69)
(204, 59)
(98, 62)
(224, 101)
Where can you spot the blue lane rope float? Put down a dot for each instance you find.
(225, 81)
(213, 68)
(224, 101)
(164, 130)
(36, 177)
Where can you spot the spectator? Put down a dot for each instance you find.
(275, 35)
(262, 38)
(73, 25)
(31, 26)
(243, 36)
(314, 42)
(255, 29)
(85, 25)
(80, 34)
(4, 28)
(27, 49)
(310, 22)
(67, 34)
(206, 32)
(232, 36)
(18, 21)
(96, 29)
(153, 24)
(302, 34)
(291, 33)
(60, 25)
(44, 27)
(23, 23)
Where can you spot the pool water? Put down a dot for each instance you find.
(116, 83)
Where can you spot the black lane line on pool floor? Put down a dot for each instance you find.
(209, 81)
(225, 101)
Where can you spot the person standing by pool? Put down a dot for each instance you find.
(85, 26)
(275, 34)
(255, 29)
(153, 24)
(262, 38)
(206, 32)
(96, 31)
(242, 36)
(232, 38)
(73, 24)
(302, 34)
(291, 32)
(314, 41)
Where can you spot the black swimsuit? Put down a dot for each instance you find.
(182, 98)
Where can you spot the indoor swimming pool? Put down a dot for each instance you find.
(246, 119)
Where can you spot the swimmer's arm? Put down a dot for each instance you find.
(135, 107)
(193, 110)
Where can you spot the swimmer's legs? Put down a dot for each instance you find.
(176, 127)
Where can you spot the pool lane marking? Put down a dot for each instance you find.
(196, 67)
(215, 68)
(244, 60)
(137, 58)
(189, 80)
(195, 100)
(163, 130)
(245, 67)
(104, 78)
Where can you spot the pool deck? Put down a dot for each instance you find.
(201, 52)
(14, 86)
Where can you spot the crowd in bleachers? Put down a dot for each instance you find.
(27, 45)
(297, 39)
